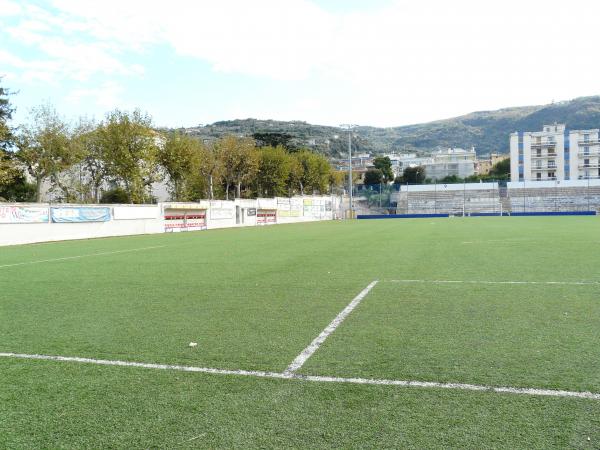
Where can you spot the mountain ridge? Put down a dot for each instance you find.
(487, 131)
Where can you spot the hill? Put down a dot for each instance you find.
(487, 131)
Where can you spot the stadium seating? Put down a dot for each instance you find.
(477, 201)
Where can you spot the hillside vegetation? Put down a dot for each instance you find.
(487, 131)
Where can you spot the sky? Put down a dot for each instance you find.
(373, 62)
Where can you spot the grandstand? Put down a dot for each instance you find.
(496, 198)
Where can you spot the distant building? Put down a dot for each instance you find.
(555, 154)
(453, 161)
(440, 164)
(401, 161)
(484, 166)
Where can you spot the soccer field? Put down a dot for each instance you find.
(426, 333)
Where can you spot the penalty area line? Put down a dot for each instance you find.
(336, 322)
(317, 378)
(66, 258)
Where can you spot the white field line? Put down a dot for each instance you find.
(566, 283)
(66, 258)
(315, 378)
(316, 343)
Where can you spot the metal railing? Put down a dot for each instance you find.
(468, 199)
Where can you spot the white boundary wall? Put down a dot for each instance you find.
(553, 184)
(441, 187)
(128, 220)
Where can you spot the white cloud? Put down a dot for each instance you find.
(106, 96)
(9, 8)
(404, 62)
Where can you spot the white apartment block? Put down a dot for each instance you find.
(452, 161)
(555, 154)
(440, 164)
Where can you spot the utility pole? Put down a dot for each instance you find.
(349, 127)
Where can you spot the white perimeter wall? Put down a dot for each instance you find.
(149, 219)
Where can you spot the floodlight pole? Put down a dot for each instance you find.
(349, 127)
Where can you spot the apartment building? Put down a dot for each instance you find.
(555, 153)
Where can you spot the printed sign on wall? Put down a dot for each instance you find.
(79, 214)
(23, 214)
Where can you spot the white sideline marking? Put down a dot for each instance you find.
(81, 256)
(107, 362)
(316, 343)
(317, 378)
(573, 283)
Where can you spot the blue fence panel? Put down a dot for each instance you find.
(555, 213)
(399, 216)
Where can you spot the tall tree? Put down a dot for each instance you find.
(315, 173)
(413, 175)
(273, 172)
(373, 176)
(8, 170)
(44, 146)
(93, 165)
(239, 161)
(295, 176)
(272, 139)
(501, 170)
(210, 168)
(179, 157)
(130, 148)
(384, 164)
(6, 111)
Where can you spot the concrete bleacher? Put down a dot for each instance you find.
(576, 198)
(473, 198)
(455, 202)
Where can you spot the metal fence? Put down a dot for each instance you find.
(474, 198)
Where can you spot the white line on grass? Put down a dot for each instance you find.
(66, 258)
(317, 378)
(316, 343)
(571, 283)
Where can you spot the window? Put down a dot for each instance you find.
(538, 164)
(551, 175)
(586, 150)
(538, 153)
(586, 162)
(586, 137)
(552, 163)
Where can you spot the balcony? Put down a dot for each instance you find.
(542, 169)
(542, 144)
(592, 153)
(590, 142)
(589, 166)
(547, 155)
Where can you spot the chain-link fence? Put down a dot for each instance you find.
(478, 198)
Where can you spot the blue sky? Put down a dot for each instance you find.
(382, 63)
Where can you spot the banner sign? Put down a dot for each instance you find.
(23, 214)
(80, 214)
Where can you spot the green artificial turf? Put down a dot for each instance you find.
(543, 336)
(253, 298)
(50, 405)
